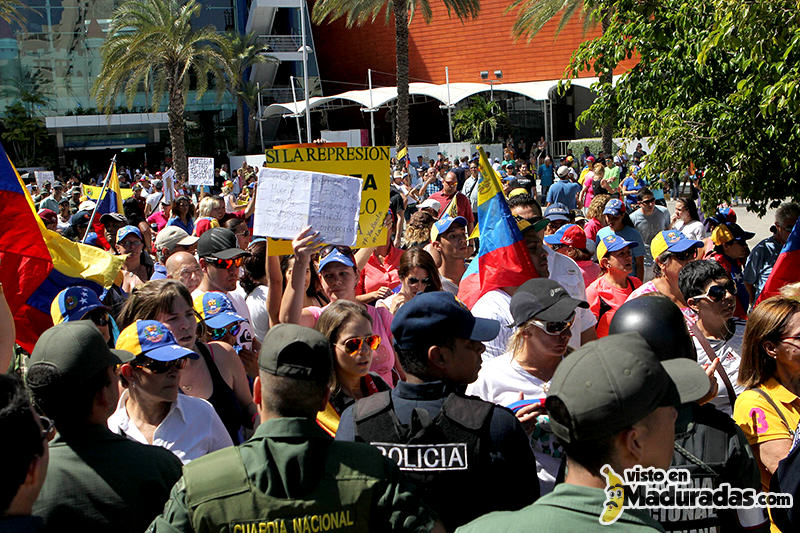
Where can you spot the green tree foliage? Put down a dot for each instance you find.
(362, 11)
(11, 11)
(478, 122)
(25, 136)
(152, 46)
(712, 87)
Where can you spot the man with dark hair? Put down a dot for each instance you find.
(612, 405)
(764, 254)
(525, 206)
(649, 220)
(96, 480)
(290, 476)
(449, 242)
(24, 447)
(468, 456)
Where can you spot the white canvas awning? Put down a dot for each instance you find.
(382, 96)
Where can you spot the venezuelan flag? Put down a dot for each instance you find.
(787, 267)
(37, 263)
(503, 259)
(111, 202)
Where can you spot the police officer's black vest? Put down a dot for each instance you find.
(447, 456)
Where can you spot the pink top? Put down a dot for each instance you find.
(383, 358)
(158, 219)
(688, 314)
(591, 228)
(587, 186)
(590, 270)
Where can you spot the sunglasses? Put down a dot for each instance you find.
(554, 328)
(159, 367)
(648, 202)
(99, 317)
(225, 264)
(48, 428)
(414, 281)
(353, 345)
(685, 255)
(233, 329)
(327, 250)
(717, 292)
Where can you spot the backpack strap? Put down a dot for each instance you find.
(374, 419)
(774, 406)
(217, 475)
(695, 331)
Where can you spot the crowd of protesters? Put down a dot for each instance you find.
(216, 385)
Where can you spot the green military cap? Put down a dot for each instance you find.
(609, 384)
(296, 352)
(77, 351)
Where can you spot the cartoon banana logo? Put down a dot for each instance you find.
(615, 496)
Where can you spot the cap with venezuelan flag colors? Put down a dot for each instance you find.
(152, 339)
(612, 243)
(672, 240)
(73, 303)
(216, 309)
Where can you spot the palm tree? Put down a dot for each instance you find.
(244, 51)
(151, 44)
(10, 11)
(478, 122)
(360, 11)
(534, 14)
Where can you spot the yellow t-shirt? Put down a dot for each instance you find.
(760, 423)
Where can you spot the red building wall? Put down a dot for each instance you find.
(486, 43)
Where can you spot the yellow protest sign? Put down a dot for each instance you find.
(369, 163)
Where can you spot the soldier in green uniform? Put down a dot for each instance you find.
(612, 406)
(291, 476)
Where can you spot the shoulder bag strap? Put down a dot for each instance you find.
(774, 406)
(711, 356)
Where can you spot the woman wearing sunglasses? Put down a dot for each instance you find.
(543, 313)
(418, 273)
(216, 373)
(150, 410)
(711, 294)
(348, 327)
(339, 275)
(768, 411)
(182, 214)
(672, 251)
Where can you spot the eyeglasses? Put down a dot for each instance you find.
(685, 255)
(353, 345)
(414, 281)
(48, 428)
(98, 316)
(159, 367)
(225, 264)
(717, 292)
(233, 329)
(648, 202)
(554, 328)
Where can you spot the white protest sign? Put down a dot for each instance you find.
(201, 171)
(42, 176)
(169, 185)
(289, 200)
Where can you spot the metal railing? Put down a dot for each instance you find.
(281, 43)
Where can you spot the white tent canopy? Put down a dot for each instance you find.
(381, 96)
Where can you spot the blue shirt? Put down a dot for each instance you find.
(433, 188)
(760, 262)
(564, 192)
(175, 221)
(546, 175)
(633, 184)
(159, 272)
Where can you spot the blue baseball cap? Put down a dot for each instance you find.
(432, 316)
(444, 223)
(557, 211)
(335, 256)
(152, 339)
(614, 207)
(73, 303)
(124, 231)
(216, 309)
(613, 243)
(91, 240)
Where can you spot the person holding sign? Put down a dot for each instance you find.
(339, 276)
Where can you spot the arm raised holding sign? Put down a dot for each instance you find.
(304, 245)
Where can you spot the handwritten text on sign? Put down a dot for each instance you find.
(201, 171)
(289, 200)
(368, 163)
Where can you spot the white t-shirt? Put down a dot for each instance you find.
(496, 305)
(153, 200)
(449, 286)
(693, 230)
(500, 381)
(257, 306)
(568, 274)
(730, 362)
(191, 429)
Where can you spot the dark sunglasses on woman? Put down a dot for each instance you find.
(159, 367)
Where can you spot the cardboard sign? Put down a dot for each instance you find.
(289, 200)
(169, 185)
(42, 176)
(201, 171)
(368, 163)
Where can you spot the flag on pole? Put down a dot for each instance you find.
(503, 259)
(111, 202)
(402, 157)
(37, 263)
(787, 267)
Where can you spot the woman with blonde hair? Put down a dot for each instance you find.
(769, 411)
(209, 212)
(595, 215)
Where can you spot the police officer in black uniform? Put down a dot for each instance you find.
(291, 477)
(708, 442)
(468, 456)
